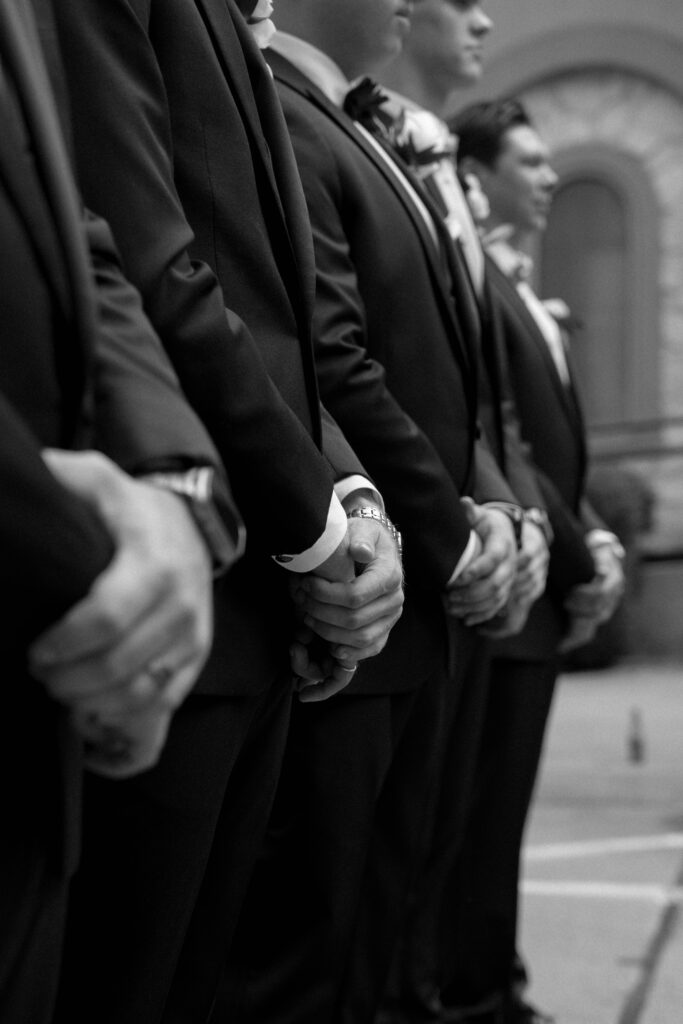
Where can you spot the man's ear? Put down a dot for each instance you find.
(470, 165)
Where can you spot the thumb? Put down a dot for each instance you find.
(470, 510)
(84, 473)
(362, 550)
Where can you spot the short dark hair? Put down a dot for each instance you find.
(481, 128)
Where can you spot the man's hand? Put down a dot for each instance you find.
(355, 611)
(580, 631)
(532, 565)
(590, 604)
(139, 639)
(599, 598)
(483, 589)
(317, 674)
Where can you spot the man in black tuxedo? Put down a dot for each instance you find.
(479, 966)
(107, 580)
(397, 367)
(179, 140)
(444, 53)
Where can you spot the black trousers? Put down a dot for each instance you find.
(167, 858)
(414, 977)
(478, 932)
(312, 898)
(32, 916)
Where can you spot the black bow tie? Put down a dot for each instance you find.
(364, 104)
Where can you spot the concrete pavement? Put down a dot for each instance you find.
(602, 888)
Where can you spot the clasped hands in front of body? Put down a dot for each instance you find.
(346, 610)
(591, 604)
(126, 655)
(498, 587)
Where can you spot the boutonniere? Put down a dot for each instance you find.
(262, 28)
(365, 104)
(562, 314)
(423, 141)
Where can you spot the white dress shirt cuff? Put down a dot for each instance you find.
(466, 557)
(346, 488)
(334, 533)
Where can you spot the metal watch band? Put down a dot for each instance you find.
(368, 512)
(195, 486)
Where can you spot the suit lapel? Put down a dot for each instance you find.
(528, 326)
(251, 87)
(291, 77)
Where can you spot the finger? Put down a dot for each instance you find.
(480, 594)
(353, 651)
(364, 638)
(348, 618)
(303, 666)
(109, 610)
(330, 686)
(373, 584)
(177, 641)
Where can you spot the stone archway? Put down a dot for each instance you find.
(615, 110)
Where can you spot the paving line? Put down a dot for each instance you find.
(660, 895)
(636, 1003)
(595, 847)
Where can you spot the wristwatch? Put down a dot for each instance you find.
(369, 512)
(514, 514)
(539, 517)
(196, 487)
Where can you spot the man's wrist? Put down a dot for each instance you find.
(539, 518)
(514, 513)
(370, 512)
(196, 488)
(355, 491)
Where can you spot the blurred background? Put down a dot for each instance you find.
(603, 80)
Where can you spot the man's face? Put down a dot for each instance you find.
(521, 183)
(447, 39)
(362, 35)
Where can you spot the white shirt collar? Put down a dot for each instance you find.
(512, 262)
(315, 64)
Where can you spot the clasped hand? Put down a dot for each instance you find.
(593, 603)
(123, 658)
(530, 580)
(483, 588)
(346, 609)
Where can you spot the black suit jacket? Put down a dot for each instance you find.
(395, 367)
(180, 142)
(552, 424)
(65, 345)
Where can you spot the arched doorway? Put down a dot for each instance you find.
(585, 261)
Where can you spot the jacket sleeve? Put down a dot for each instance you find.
(124, 157)
(571, 563)
(53, 545)
(417, 489)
